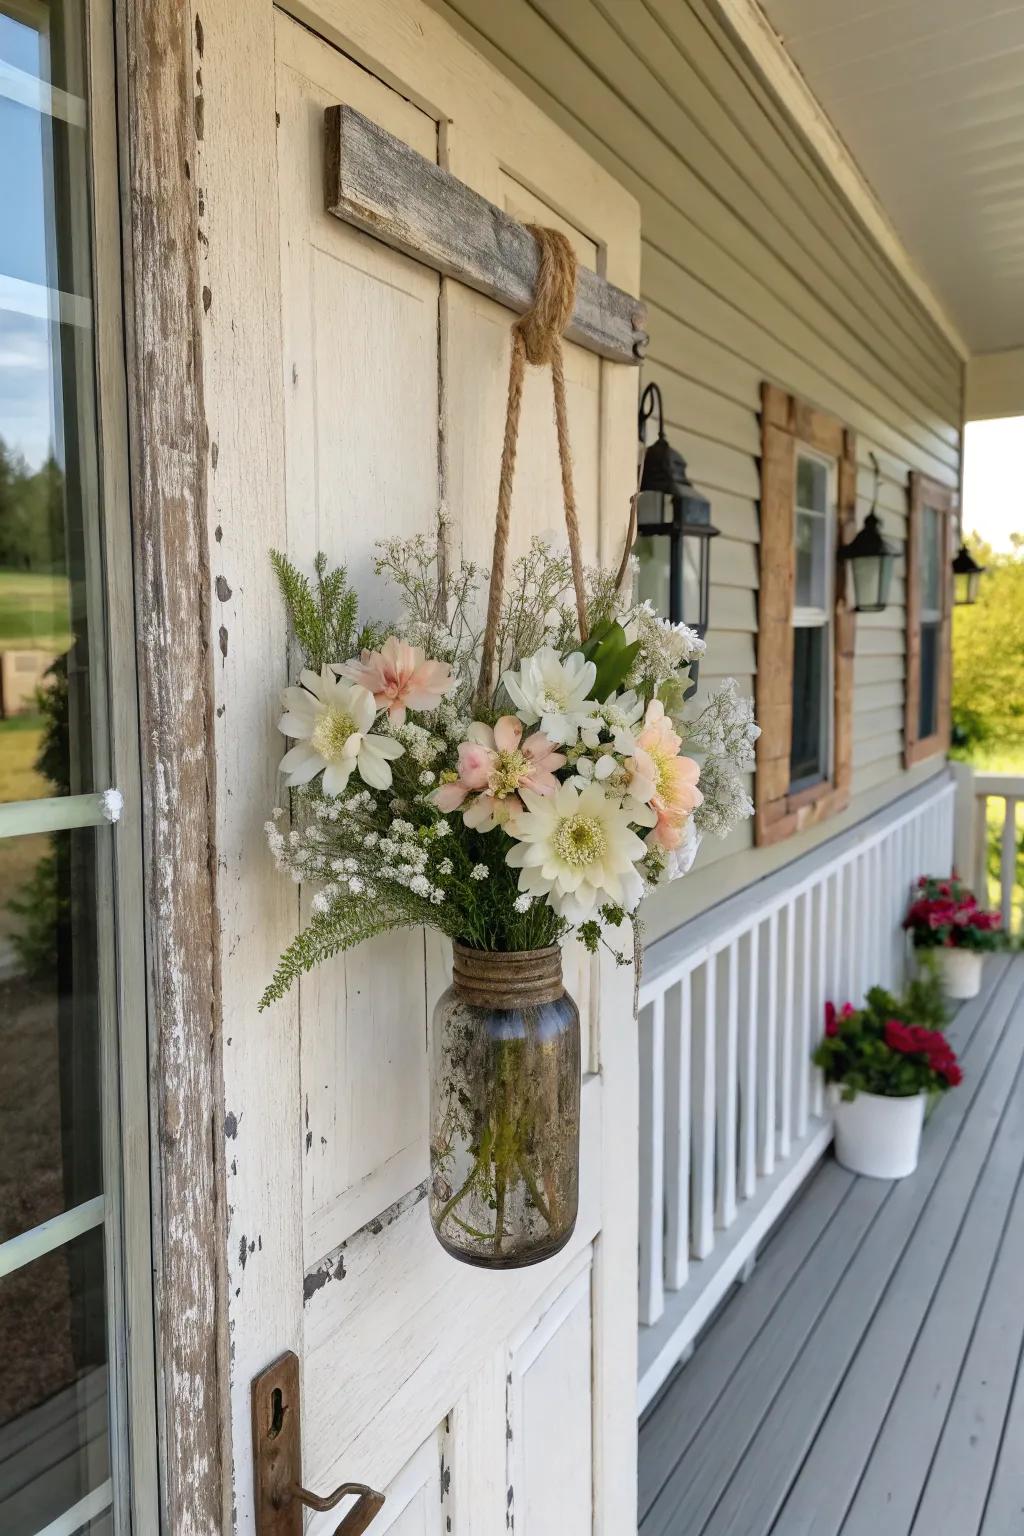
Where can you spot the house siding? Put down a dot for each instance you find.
(754, 267)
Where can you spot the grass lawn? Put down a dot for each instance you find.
(33, 612)
(20, 739)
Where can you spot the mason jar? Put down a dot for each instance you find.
(504, 1109)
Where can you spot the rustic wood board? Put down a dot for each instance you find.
(377, 183)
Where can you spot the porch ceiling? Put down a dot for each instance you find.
(929, 97)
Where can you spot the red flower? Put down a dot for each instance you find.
(831, 1027)
(901, 1037)
(952, 1074)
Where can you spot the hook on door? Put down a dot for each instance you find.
(277, 1461)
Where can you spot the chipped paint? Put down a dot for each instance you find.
(231, 1125)
(332, 1268)
(222, 589)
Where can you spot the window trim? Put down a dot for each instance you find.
(923, 493)
(788, 424)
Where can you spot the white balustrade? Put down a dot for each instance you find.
(732, 1111)
(1007, 790)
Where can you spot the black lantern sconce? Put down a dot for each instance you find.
(673, 531)
(871, 558)
(967, 574)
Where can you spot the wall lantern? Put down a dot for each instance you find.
(872, 558)
(674, 529)
(967, 574)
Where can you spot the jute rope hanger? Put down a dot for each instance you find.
(536, 339)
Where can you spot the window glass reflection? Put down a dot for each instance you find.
(54, 1445)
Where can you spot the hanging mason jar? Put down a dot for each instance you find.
(505, 1109)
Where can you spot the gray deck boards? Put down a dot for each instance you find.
(867, 1380)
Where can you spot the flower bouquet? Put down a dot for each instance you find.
(944, 919)
(509, 815)
(883, 1061)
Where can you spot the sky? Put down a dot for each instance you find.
(994, 479)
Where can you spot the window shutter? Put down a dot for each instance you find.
(785, 422)
(925, 492)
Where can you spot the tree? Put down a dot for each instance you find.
(988, 655)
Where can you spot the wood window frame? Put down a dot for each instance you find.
(925, 492)
(786, 423)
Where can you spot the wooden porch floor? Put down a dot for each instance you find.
(866, 1380)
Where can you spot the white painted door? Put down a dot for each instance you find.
(478, 1402)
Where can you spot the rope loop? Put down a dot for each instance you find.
(536, 339)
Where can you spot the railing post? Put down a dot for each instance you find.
(965, 851)
(1008, 861)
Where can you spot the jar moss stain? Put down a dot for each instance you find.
(505, 1109)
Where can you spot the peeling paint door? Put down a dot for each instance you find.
(478, 1402)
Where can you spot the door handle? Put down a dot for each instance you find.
(277, 1461)
(365, 1509)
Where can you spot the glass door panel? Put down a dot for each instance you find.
(61, 1466)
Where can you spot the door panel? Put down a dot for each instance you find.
(549, 1416)
(474, 1400)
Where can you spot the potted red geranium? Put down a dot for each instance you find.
(946, 920)
(883, 1061)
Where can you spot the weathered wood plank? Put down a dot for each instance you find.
(378, 184)
(160, 48)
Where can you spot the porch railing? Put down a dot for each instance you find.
(1002, 792)
(731, 1110)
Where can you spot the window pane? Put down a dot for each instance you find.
(811, 561)
(811, 484)
(49, 1040)
(808, 749)
(928, 716)
(53, 1385)
(47, 489)
(43, 39)
(652, 578)
(931, 562)
(21, 45)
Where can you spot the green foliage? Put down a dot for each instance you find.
(31, 513)
(41, 907)
(612, 654)
(331, 932)
(988, 656)
(323, 614)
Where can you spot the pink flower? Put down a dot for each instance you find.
(664, 779)
(494, 765)
(400, 678)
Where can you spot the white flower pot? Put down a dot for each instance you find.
(959, 972)
(878, 1136)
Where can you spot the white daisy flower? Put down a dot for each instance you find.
(590, 770)
(331, 721)
(576, 849)
(553, 691)
(619, 715)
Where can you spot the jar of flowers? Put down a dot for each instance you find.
(510, 814)
(882, 1062)
(946, 922)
